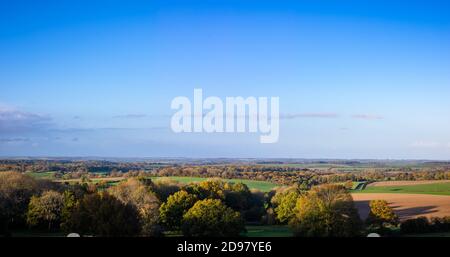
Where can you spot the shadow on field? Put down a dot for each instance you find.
(404, 214)
(363, 209)
(412, 212)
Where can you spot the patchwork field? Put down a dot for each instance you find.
(406, 206)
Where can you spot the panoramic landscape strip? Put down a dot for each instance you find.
(243, 199)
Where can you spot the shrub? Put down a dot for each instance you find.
(441, 224)
(418, 225)
(423, 225)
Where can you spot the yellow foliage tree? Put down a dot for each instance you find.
(381, 213)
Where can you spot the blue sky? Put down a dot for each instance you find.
(356, 79)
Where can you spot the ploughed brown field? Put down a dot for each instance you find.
(405, 183)
(406, 206)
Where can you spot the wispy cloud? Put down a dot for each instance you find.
(325, 115)
(367, 117)
(13, 120)
(15, 140)
(130, 116)
(99, 129)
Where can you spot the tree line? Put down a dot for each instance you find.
(281, 174)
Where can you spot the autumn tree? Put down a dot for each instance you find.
(211, 188)
(16, 190)
(348, 184)
(165, 187)
(306, 182)
(70, 202)
(381, 214)
(102, 214)
(135, 192)
(250, 204)
(45, 210)
(285, 205)
(172, 211)
(211, 217)
(326, 211)
(235, 195)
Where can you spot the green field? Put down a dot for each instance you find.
(431, 189)
(42, 175)
(263, 186)
(268, 231)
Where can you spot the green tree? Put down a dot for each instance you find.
(286, 202)
(250, 204)
(306, 182)
(237, 196)
(45, 210)
(210, 217)
(326, 211)
(70, 202)
(101, 214)
(211, 188)
(172, 211)
(137, 193)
